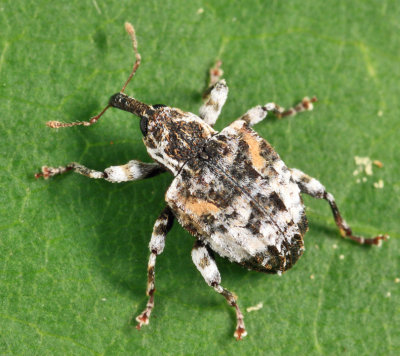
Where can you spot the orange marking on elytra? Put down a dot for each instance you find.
(254, 150)
(200, 207)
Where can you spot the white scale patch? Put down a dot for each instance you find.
(257, 114)
(157, 243)
(117, 174)
(96, 175)
(206, 265)
(313, 187)
(212, 108)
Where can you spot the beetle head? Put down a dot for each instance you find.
(171, 135)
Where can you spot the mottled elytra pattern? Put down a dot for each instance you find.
(240, 198)
(230, 190)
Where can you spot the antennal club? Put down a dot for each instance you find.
(131, 31)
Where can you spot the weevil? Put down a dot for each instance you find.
(230, 190)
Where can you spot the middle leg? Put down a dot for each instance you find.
(258, 113)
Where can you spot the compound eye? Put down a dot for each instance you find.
(143, 125)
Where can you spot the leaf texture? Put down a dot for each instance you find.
(74, 251)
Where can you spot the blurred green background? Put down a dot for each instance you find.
(74, 251)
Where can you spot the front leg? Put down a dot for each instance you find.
(205, 263)
(133, 170)
(313, 187)
(214, 97)
(157, 243)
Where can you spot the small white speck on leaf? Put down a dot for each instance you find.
(341, 257)
(379, 184)
(334, 246)
(364, 165)
(200, 11)
(312, 277)
(397, 280)
(388, 295)
(103, 299)
(380, 113)
(255, 307)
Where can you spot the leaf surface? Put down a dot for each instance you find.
(74, 251)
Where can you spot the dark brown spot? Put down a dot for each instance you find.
(303, 224)
(305, 178)
(204, 262)
(274, 197)
(221, 228)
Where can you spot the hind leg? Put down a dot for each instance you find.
(205, 263)
(313, 187)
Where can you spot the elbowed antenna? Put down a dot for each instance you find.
(131, 31)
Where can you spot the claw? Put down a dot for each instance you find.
(378, 240)
(45, 173)
(240, 333)
(48, 172)
(216, 73)
(142, 319)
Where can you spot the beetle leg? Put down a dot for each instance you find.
(205, 263)
(313, 187)
(133, 170)
(214, 97)
(258, 113)
(161, 227)
(305, 105)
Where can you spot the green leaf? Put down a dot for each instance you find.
(74, 251)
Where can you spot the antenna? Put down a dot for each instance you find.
(131, 31)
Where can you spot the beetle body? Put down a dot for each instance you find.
(230, 189)
(238, 197)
